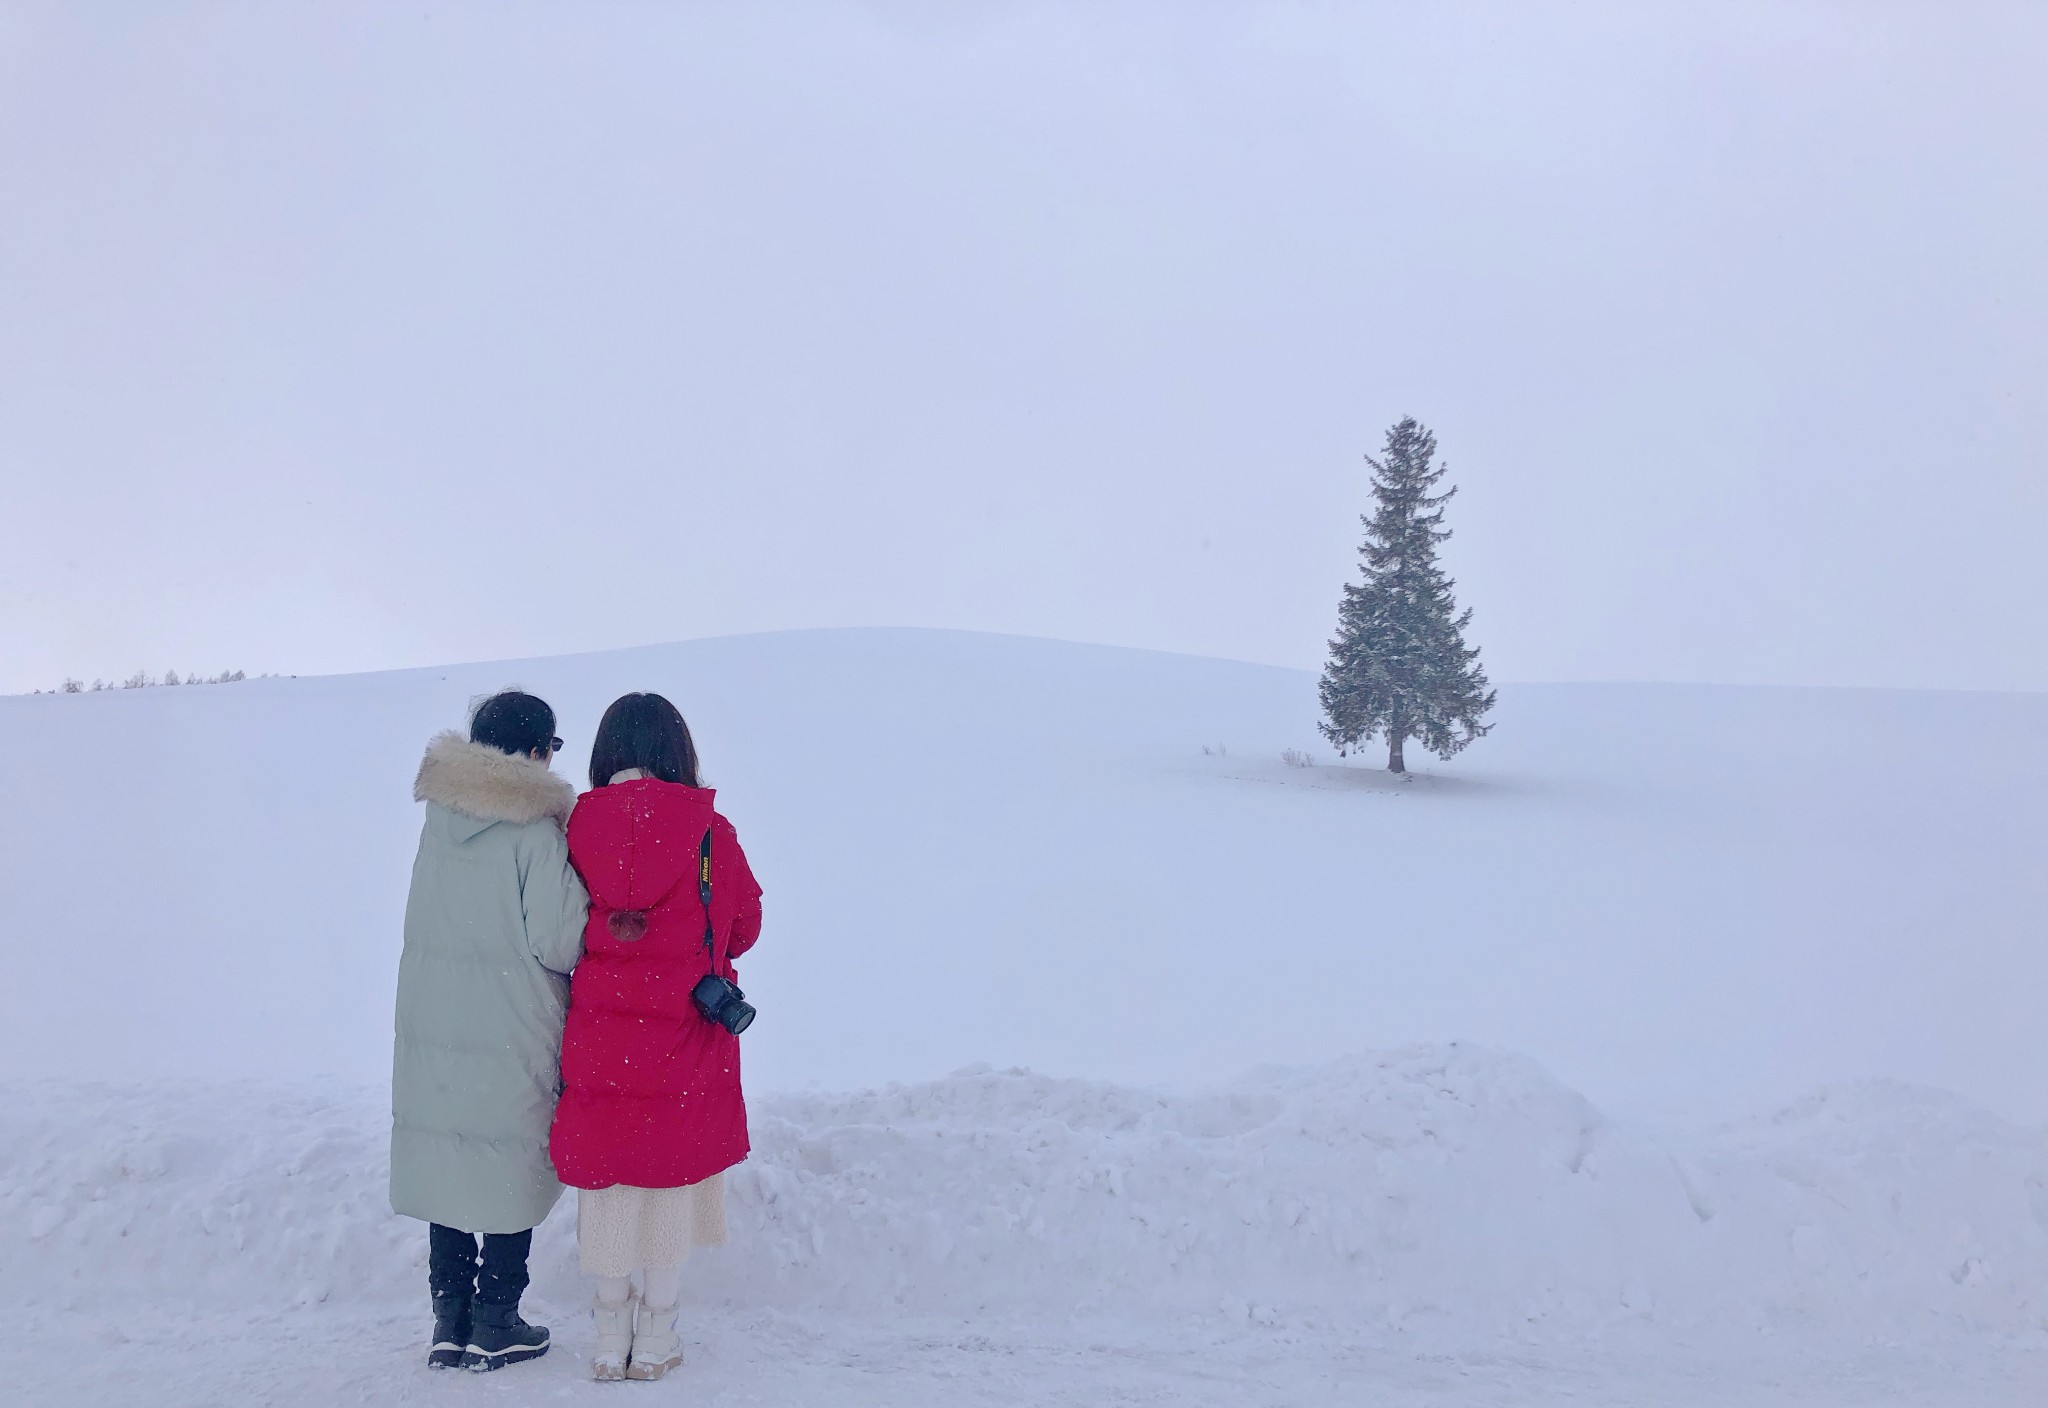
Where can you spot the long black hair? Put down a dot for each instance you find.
(643, 731)
(515, 722)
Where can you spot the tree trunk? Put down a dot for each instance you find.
(1394, 763)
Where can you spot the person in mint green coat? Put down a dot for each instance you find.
(493, 928)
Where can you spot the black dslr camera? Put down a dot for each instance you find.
(723, 1003)
(719, 999)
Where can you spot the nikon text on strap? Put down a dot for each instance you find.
(704, 894)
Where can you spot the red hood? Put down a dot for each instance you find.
(635, 842)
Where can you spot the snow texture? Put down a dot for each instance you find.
(1435, 1203)
(1019, 851)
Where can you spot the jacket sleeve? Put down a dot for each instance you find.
(552, 898)
(746, 922)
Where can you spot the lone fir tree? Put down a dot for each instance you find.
(1399, 667)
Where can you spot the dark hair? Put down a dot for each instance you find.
(643, 731)
(513, 722)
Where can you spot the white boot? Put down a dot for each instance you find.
(657, 1348)
(614, 1336)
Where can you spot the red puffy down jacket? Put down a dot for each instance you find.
(650, 1088)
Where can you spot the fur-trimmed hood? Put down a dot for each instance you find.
(482, 782)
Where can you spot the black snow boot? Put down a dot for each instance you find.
(497, 1337)
(451, 1331)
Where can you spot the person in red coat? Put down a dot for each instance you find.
(651, 1113)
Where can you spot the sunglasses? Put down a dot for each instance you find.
(554, 745)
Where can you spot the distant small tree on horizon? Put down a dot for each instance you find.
(1399, 667)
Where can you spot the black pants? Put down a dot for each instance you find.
(452, 1267)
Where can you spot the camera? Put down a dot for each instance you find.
(723, 1002)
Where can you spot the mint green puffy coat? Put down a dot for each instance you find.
(493, 927)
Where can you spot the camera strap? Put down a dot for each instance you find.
(704, 894)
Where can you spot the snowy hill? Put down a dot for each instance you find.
(993, 849)
(1247, 1163)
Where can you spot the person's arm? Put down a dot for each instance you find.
(746, 923)
(746, 928)
(552, 896)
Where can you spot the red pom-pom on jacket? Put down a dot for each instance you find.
(650, 1087)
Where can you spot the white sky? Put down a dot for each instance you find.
(346, 336)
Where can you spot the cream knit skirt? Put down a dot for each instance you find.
(621, 1229)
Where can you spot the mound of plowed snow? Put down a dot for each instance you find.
(1441, 1191)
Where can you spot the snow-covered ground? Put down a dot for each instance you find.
(1433, 1225)
(1248, 1163)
